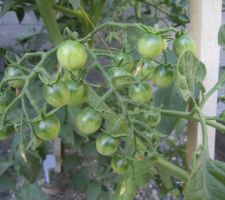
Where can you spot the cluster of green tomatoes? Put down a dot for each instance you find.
(72, 56)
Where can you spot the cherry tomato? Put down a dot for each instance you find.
(106, 145)
(48, 128)
(183, 43)
(72, 55)
(154, 118)
(77, 93)
(88, 121)
(150, 46)
(56, 94)
(163, 76)
(5, 132)
(119, 76)
(140, 92)
(119, 164)
(147, 71)
(126, 61)
(12, 72)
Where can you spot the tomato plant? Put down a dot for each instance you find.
(119, 164)
(124, 60)
(12, 72)
(4, 101)
(106, 145)
(48, 128)
(183, 43)
(147, 70)
(150, 46)
(88, 121)
(56, 94)
(77, 93)
(109, 104)
(140, 92)
(119, 76)
(72, 55)
(163, 76)
(154, 118)
(5, 132)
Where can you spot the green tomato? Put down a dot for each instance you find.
(56, 94)
(163, 76)
(88, 121)
(150, 46)
(48, 128)
(6, 132)
(119, 164)
(154, 118)
(72, 55)
(77, 93)
(120, 76)
(183, 43)
(12, 72)
(106, 145)
(147, 71)
(140, 92)
(126, 61)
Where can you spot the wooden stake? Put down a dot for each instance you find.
(205, 22)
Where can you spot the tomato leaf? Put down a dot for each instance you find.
(207, 180)
(31, 192)
(30, 165)
(221, 36)
(127, 189)
(189, 72)
(171, 99)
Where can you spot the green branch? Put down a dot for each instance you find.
(172, 169)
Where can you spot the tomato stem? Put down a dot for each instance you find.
(46, 10)
(172, 169)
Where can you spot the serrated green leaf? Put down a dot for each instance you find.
(189, 72)
(221, 36)
(171, 99)
(30, 165)
(207, 180)
(31, 192)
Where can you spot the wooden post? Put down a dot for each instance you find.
(206, 18)
(57, 152)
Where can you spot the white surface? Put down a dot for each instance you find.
(205, 20)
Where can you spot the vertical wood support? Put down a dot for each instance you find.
(57, 152)
(206, 18)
